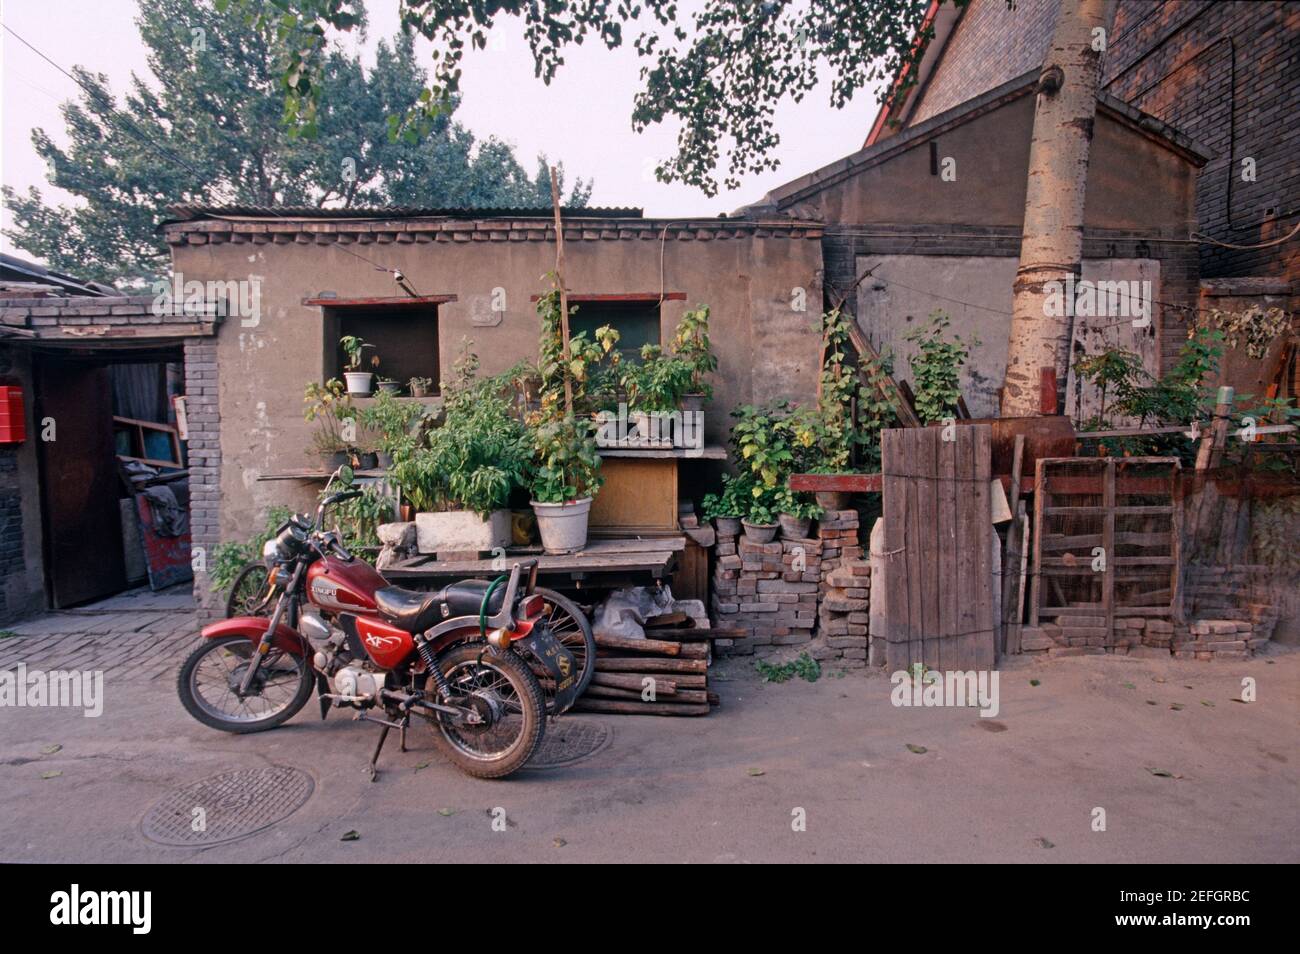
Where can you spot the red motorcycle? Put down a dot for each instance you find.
(458, 658)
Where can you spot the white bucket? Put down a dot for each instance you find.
(563, 526)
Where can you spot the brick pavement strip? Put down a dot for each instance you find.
(131, 645)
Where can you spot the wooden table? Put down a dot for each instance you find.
(602, 564)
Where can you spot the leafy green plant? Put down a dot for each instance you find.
(658, 381)
(358, 519)
(760, 445)
(567, 465)
(330, 407)
(805, 667)
(394, 420)
(566, 461)
(732, 502)
(936, 367)
(795, 504)
(230, 557)
(692, 345)
(353, 347)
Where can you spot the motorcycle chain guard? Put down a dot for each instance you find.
(542, 645)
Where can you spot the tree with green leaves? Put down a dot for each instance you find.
(209, 131)
(722, 81)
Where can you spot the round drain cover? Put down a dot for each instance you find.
(570, 741)
(227, 806)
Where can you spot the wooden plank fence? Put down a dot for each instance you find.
(938, 585)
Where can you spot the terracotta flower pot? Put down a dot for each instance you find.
(794, 528)
(727, 526)
(760, 532)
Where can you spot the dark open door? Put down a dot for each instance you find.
(79, 483)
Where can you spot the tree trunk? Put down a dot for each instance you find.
(1051, 247)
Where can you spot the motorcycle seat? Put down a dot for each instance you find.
(418, 610)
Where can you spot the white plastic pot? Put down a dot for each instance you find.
(359, 382)
(563, 526)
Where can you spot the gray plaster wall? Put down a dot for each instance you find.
(975, 292)
(765, 347)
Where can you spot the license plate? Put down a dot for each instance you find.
(541, 645)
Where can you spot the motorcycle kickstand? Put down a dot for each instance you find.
(383, 736)
(401, 739)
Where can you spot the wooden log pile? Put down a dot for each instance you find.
(665, 673)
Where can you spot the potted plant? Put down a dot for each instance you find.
(459, 472)
(566, 460)
(421, 387)
(390, 386)
(566, 477)
(330, 407)
(726, 509)
(691, 344)
(359, 381)
(655, 386)
(760, 523)
(795, 513)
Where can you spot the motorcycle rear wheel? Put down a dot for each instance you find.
(204, 685)
(504, 683)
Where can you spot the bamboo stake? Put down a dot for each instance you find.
(564, 294)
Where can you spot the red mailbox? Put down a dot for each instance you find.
(13, 422)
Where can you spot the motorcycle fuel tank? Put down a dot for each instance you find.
(343, 587)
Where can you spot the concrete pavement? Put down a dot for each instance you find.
(725, 788)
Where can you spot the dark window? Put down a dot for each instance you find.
(404, 337)
(637, 322)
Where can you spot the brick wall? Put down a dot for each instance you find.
(1228, 75)
(12, 562)
(204, 449)
(991, 44)
(1225, 73)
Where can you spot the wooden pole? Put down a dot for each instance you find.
(564, 293)
(1211, 449)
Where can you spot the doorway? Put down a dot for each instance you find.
(107, 439)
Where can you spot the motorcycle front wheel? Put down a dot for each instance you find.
(506, 693)
(209, 681)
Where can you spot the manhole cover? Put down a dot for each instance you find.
(572, 740)
(227, 806)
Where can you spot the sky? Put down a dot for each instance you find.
(583, 118)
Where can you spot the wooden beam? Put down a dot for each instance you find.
(378, 302)
(845, 483)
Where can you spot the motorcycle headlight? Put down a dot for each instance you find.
(269, 552)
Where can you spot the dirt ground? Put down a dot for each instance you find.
(1072, 736)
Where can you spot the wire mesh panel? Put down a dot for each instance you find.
(938, 548)
(1106, 543)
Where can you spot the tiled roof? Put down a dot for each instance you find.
(286, 226)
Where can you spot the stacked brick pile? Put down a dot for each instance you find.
(842, 615)
(769, 590)
(1222, 638)
(1139, 636)
(838, 532)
